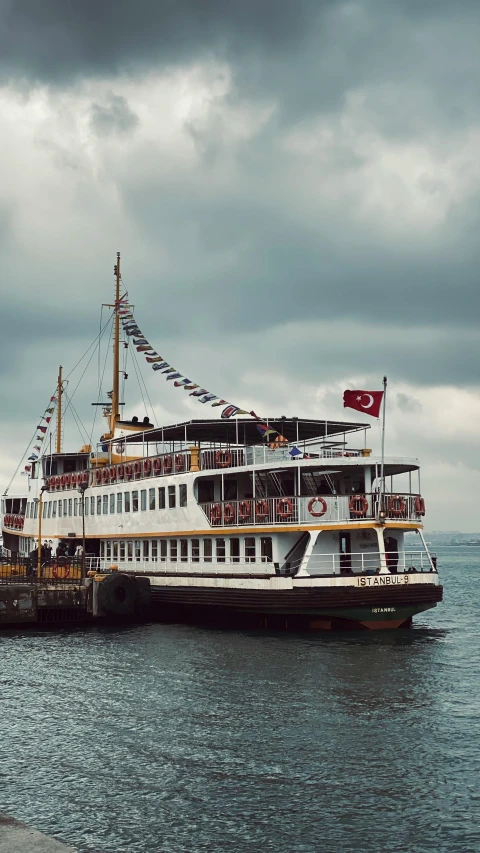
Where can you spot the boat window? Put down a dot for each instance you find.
(70, 504)
(171, 497)
(44, 512)
(161, 497)
(54, 510)
(75, 506)
(102, 550)
(36, 510)
(92, 505)
(220, 550)
(99, 504)
(119, 501)
(195, 550)
(184, 550)
(65, 506)
(137, 549)
(112, 502)
(146, 549)
(250, 549)
(126, 501)
(49, 513)
(206, 491)
(230, 490)
(182, 495)
(105, 504)
(207, 550)
(86, 502)
(3, 507)
(109, 550)
(115, 550)
(173, 550)
(129, 550)
(266, 549)
(122, 551)
(60, 504)
(163, 550)
(234, 550)
(143, 500)
(135, 501)
(151, 498)
(154, 550)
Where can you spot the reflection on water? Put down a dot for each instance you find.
(179, 739)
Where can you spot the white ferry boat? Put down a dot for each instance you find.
(229, 529)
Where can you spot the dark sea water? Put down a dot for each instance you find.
(178, 739)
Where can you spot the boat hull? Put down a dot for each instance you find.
(316, 609)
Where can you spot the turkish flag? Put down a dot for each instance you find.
(364, 401)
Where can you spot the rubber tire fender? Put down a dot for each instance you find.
(117, 595)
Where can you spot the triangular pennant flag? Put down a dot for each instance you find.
(140, 341)
(53, 399)
(208, 398)
(190, 387)
(220, 403)
(152, 358)
(171, 370)
(39, 437)
(173, 375)
(199, 393)
(48, 420)
(28, 467)
(145, 348)
(50, 411)
(37, 447)
(160, 366)
(41, 428)
(181, 383)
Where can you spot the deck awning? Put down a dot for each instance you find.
(244, 431)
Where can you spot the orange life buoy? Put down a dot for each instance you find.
(312, 503)
(64, 480)
(167, 464)
(128, 471)
(284, 508)
(137, 469)
(396, 505)
(244, 510)
(261, 510)
(215, 513)
(228, 513)
(223, 458)
(112, 474)
(179, 462)
(85, 477)
(358, 505)
(98, 476)
(65, 569)
(157, 465)
(147, 467)
(58, 482)
(74, 480)
(105, 475)
(120, 472)
(419, 506)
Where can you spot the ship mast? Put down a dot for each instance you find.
(115, 415)
(59, 410)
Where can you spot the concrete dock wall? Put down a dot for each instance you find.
(15, 837)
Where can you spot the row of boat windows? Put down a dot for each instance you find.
(221, 550)
(116, 502)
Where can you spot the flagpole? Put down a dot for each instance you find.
(382, 469)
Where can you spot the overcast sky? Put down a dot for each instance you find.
(294, 187)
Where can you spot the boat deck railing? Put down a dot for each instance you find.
(53, 572)
(309, 510)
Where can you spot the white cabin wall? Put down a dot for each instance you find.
(325, 557)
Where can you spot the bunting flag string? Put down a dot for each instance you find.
(132, 330)
(42, 429)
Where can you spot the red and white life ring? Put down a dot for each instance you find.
(128, 471)
(419, 506)
(65, 571)
(147, 467)
(74, 480)
(223, 458)
(358, 505)
(179, 462)
(215, 513)
(112, 474)
(314, 512)
(261, 510)
(396, 505)
(229, 513)
(157, 466)
(167, 465)
(284, 508)
(137, 469)
(105, 475)
(244, 510)
(120, 472)
(85, 477)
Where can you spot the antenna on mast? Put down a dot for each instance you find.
(59, 410)
(115, 415)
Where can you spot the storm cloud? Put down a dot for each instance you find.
(294, 187)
